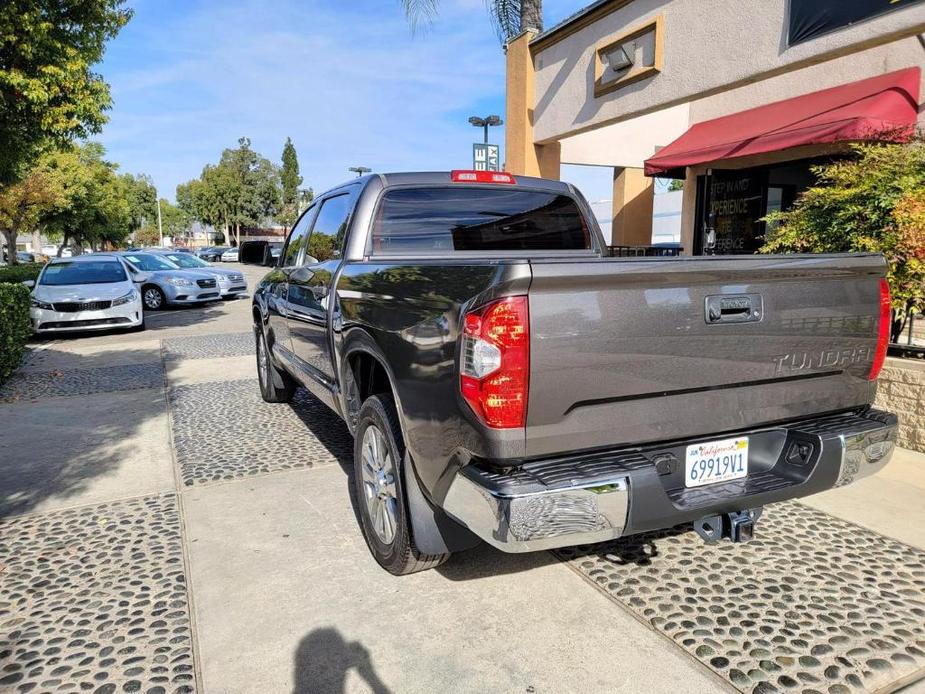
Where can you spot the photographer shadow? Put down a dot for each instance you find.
(323, 659)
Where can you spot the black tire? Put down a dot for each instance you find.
(275, 385)
(153, 298)
(397, 555)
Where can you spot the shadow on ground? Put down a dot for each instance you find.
(64, 429)
(323, 660)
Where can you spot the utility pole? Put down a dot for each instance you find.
(160, 229)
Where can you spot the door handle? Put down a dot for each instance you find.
(733, 308)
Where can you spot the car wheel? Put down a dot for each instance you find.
(377, 454)
(153, 298)
(275, 385)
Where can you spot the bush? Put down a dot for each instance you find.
(15, 326)
(20, 272)
(873, 201)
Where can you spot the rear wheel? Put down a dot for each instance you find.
(153, 298)
(275, 385)
(377, 455)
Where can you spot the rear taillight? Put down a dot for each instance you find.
(883, 331)
(459, 176)
(495, 362)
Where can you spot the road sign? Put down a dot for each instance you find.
(486, 157)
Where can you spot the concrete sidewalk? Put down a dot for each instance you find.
(165, 530)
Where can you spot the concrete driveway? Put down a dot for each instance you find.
(164, 530)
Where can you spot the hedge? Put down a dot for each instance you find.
(20, 272)
(15, 326)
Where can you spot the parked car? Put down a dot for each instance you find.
(230, 282)
(181, 249)
(88, 292)
(212, 254)
(273, 253)
(164, 282)
(506, 381)
(230, 256)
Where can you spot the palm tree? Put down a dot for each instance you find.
(509, 17)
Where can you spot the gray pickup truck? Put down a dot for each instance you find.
(506, 381)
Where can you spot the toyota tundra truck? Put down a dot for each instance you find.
(506, 381)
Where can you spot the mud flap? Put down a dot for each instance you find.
(432, 530)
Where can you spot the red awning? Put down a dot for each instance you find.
(865, 110)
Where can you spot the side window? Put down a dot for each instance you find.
(327, 237)
(296, 240)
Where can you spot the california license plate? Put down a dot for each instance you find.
(716, 461)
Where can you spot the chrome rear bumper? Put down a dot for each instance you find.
(538, 520)
(586, 498)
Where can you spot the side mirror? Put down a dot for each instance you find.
(140, 277)
(310, 260)
(29, 283)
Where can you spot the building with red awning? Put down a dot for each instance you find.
(736, 100)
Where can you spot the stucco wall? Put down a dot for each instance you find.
(901, 389)
(709, 46)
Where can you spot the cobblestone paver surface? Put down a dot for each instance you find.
(223, 431)
(43, 384)
(94, 599)
(814, 604)
(209, 346)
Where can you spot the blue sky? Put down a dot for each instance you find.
(346, 81)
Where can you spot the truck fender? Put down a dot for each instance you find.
(433, 531)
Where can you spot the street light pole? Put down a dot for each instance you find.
(359, 170)
(485, 123)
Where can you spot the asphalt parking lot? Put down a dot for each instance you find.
(164, 530)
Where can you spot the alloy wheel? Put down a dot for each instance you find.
(152, 298)
(263, 362)
(379, 484)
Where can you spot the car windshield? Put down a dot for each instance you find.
(185, 260)
(84, 272)
(150, 263)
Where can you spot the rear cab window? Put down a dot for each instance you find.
(437, 220)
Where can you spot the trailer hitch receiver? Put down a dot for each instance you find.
(738, 526)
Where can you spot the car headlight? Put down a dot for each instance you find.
(38, 303)
(127, 299)
(179, 282)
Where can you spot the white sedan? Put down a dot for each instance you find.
(230, 256)
(88, 292)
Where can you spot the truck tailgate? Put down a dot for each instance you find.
(633, 351)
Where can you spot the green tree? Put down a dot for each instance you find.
(873, 201)
(142, 199)
(290, 181)
(174, 220)
(509, 17)
(23, 205)
(676, 184)
(243, 189)
(94, 207)
(48, 93)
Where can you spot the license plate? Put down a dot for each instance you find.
(716, 461)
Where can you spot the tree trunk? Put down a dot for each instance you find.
(62, 245)
(10, 237)
(531, 15)
(36, 240)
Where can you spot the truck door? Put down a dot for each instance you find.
(310, 299)
(277, 297)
